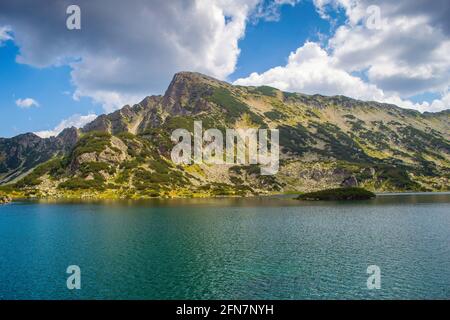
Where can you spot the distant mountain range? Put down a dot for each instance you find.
(325, 142)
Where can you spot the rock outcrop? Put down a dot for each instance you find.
(5, 199)
(349, 182)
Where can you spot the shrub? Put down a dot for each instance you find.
(159, 166)
(80, 183)
(95, 167)
(227, 101)
(92, 142)
(266, 90)
(274, 115)
(53, 167)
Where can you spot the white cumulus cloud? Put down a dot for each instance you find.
(27, 103)
(311, 70)
(126, 50)
(405, 56)
(75, 120)
(130, 49)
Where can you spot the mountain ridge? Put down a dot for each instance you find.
(316, 134)
(87, 127)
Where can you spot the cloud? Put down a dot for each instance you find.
(436, 12)
(270, 10)
(440, 104)
(310, 69)
(127, 50)
(26, 103)
(406, 55)
(5, 34)
(130, 49)
(75, 120)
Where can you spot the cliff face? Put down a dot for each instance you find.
(325, 142)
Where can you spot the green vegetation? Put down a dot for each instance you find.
(266, 90)
(233, 107)
(417, 140)
(95, 167)
(223, 189)
(295, 140)
(275, 115)
(357, 125)
(162, 178)
(338, 194)
(311, 114)
(92, 142)
(377, 139)
(268, 183)
(227, 101)
(124, 176)
(54, 167)
(160, 166)
(160, 137)
(397, 177)
(79, 183)
(124, 136)
(339, 144)
(288, 95)
(179, 122)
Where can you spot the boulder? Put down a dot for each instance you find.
(349, 182)
(5, 199)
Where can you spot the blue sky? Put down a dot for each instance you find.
(267, 43)
(306, 46)
(51, 87)
(53, 90)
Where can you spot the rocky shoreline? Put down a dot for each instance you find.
(5, 199)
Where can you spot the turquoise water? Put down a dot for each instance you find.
(258, 248)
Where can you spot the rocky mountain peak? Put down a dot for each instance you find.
(194, 77)
(186, 90)
(26, 139)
